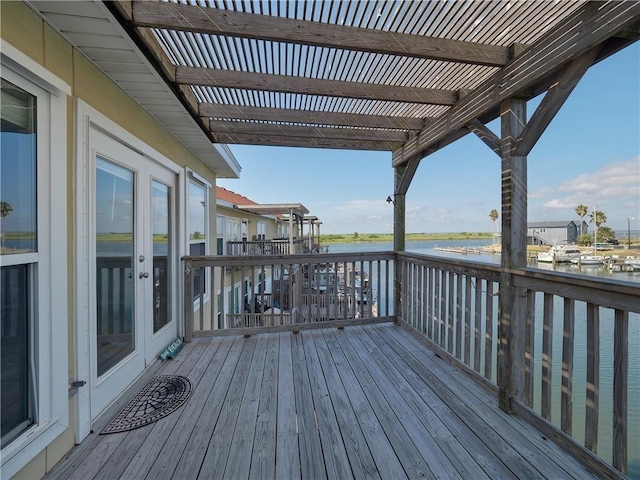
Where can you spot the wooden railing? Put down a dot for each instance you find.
(574, 328)
(570, 345)
(263, 293)
(280, 246)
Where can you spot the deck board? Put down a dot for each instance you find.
(364, 402)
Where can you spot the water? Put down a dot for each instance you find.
(579, 380)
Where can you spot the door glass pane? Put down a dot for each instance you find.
(15, 377)
(114, 263)
(161, 227)
(18, 220)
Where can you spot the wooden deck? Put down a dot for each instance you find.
(361, 402)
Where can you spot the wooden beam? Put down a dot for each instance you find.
(238, 112)
(593, 25)
(213, 77)
(406, 175)
(212, 21)
(566, 80)
(305, 142)
(486, 135)
(230, 127)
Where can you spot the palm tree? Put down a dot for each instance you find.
(5, 209)
(581, 210)
(493, 215)
(598, 218)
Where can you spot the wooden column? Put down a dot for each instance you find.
(511, 326)
(398, 239)
(291, 250)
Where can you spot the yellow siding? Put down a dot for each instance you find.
(26, 31)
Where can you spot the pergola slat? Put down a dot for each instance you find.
(214, 21)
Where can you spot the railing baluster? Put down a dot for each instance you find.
(478, 325)
(488, 331)
(529, 348)
(620, 388)
(458, 318)
(188, 301)
(547, 355)
(450, 311)
(442, 308)
(566, 405)
(593, 378)
(467, 320)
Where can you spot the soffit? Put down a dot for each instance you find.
(90, 27)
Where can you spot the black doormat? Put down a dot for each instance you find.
(161, 395)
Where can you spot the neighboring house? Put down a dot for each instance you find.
(554, 232)
(105, 172)
(244, 227)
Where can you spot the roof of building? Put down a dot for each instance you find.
(232, 197)
(550, 224)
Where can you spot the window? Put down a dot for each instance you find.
(261, 231)
(220, 221)
(33, 264)
(197, 232)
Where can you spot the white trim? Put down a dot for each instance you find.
(52, 283)
(88, 118)
(28, 68)
(199, 178)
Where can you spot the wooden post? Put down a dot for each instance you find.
(188, 302)
(398, 239)
(511, 326)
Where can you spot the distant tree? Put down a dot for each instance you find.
(598, 218)
(5, 209)
(355, 234)
(585, 240)
(493, 215)
(581, 210)
(605, 234)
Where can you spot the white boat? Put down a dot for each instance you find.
(559, 254)
(584, 260)
(634, 262)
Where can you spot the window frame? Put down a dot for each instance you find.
(198, 181)
(49, 265)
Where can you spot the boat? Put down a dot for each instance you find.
(634, 262)
(559, 254)
(584, 260)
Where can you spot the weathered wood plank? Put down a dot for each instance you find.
(212, 77)
(241, 448)
(514, 441)
(566, 399)
(362, 463)
(333, 448)
(547, 356)
(305, 142)
(219, 446)
(263, 457)
(287, 454)
(529, 348)
(311, 451)
(238, 112)
(381, 448)
(620, 389)
(488, 330)
(593, 378)
(278, 29)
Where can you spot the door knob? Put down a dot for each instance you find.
(144, 274)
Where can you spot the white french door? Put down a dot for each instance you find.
(132, 266)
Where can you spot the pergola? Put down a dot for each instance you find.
(409, 77)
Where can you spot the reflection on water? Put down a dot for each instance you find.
(579, 375)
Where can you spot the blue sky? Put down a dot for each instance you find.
(589, 154)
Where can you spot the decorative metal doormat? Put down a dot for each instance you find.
(161, 395)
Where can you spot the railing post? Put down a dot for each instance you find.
(188, 301)
(398, 242)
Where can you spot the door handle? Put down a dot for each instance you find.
(144, 275)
